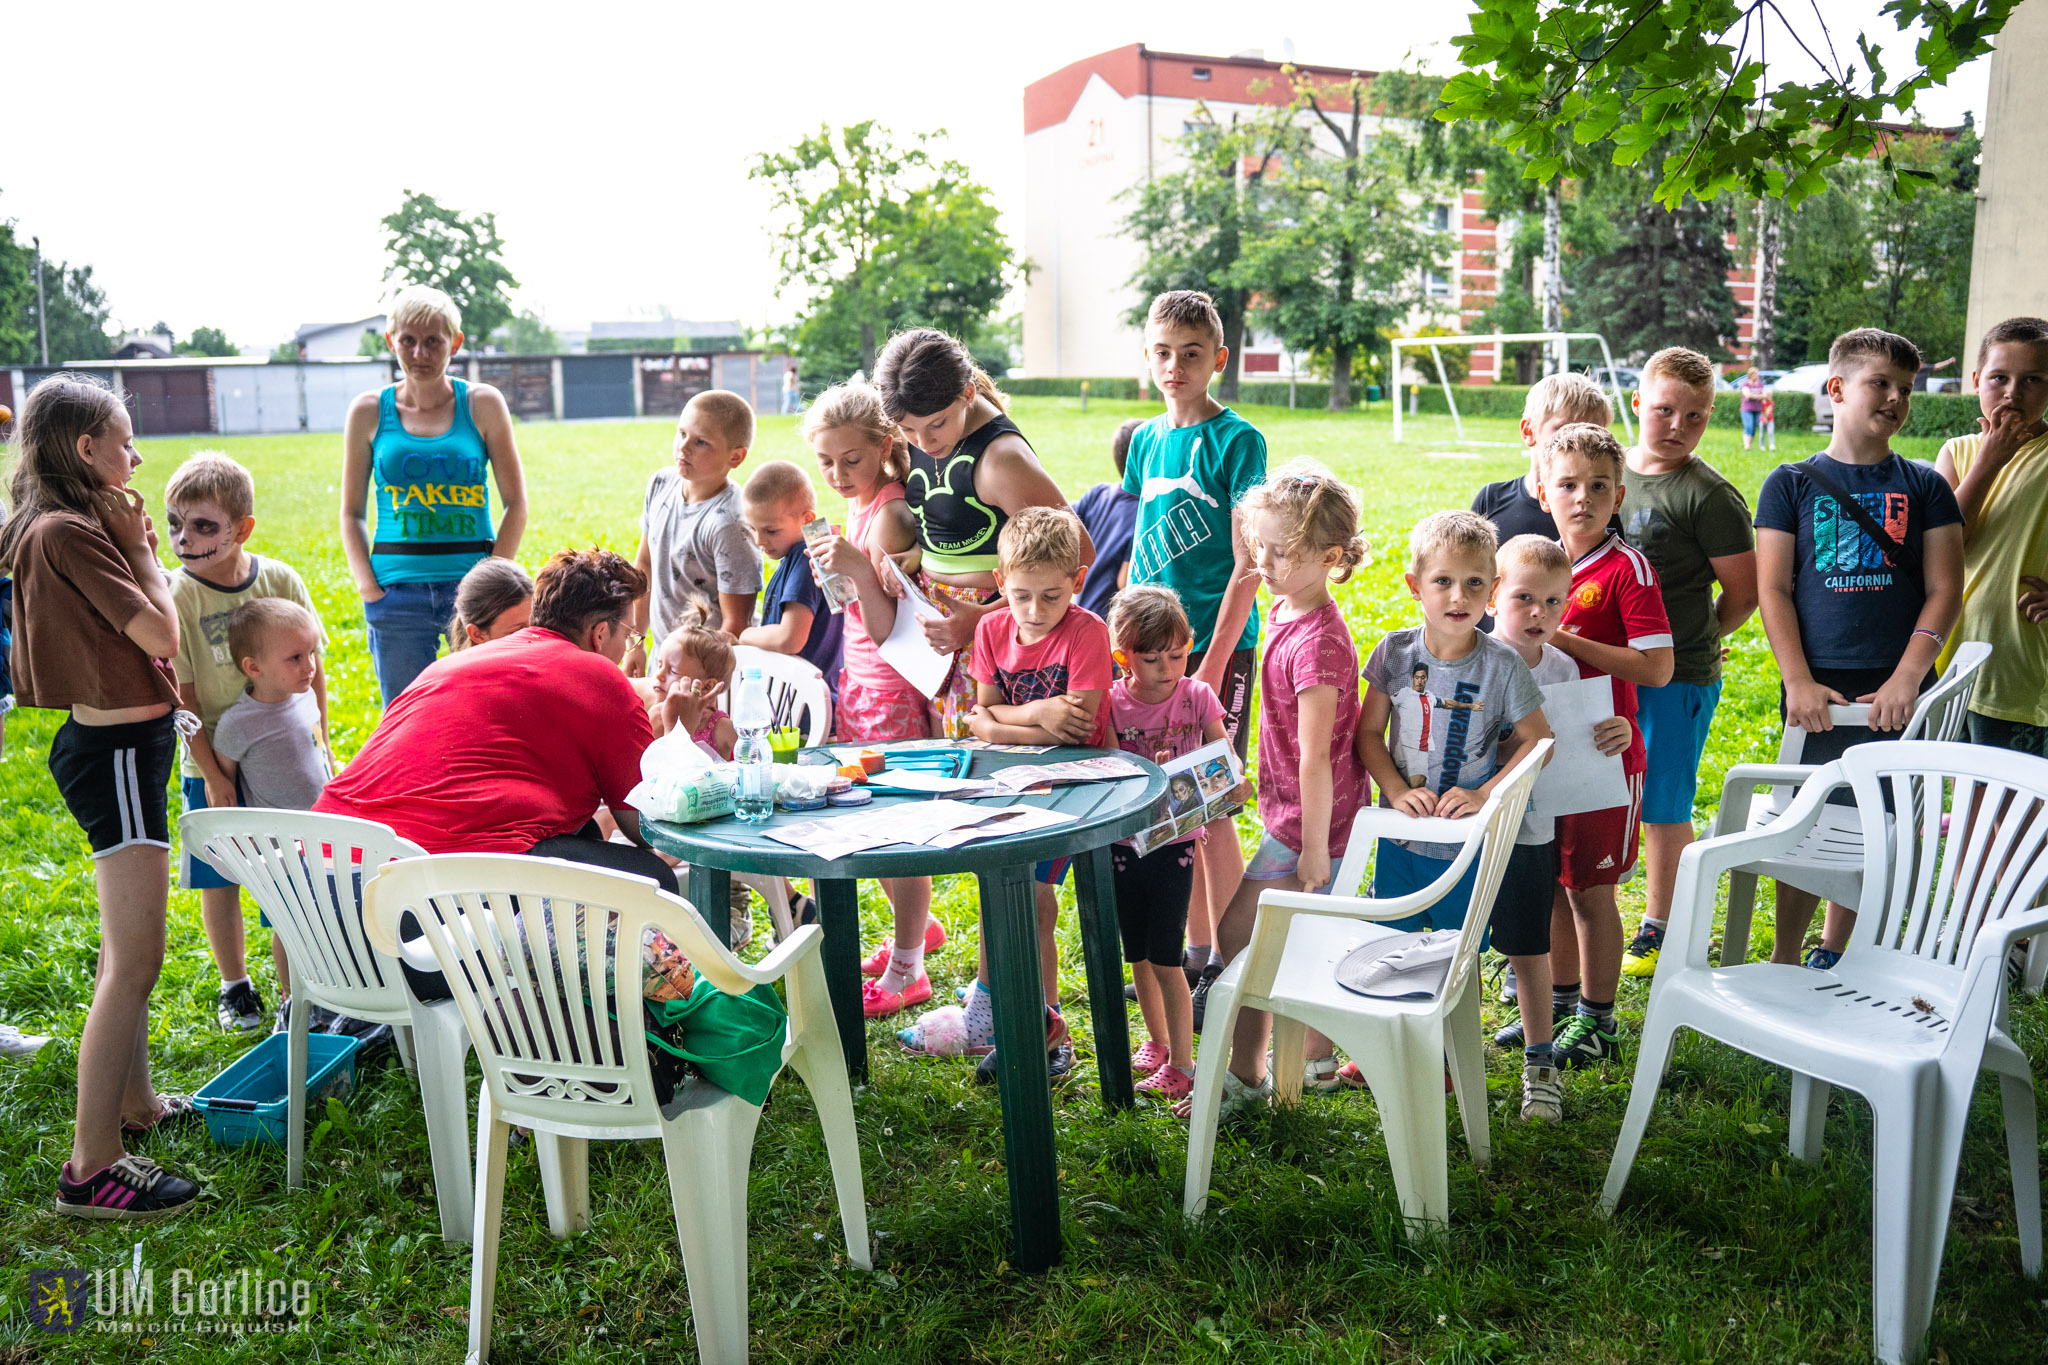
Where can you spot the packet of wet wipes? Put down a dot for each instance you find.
(839, 589)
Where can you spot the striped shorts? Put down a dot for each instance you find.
(116, 780)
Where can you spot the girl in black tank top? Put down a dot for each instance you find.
(957, 530)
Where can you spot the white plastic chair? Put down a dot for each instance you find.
(1829, 864)
(554, 1061)
(784, 674)
(1910, 1013)
(306, 871)
(1289, 968)
(788, 674)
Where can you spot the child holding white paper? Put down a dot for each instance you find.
(1528, 606)
(1158, 712)
(1490, 709)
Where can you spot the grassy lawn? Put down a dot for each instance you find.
(1725, 1250)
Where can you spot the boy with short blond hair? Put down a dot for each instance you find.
(1478, 707)
(269, 742)
(777, 502)
(1860, 568)
(1693, 527)
(694, 542)
(1614, 626)
(2000, 475)
(210, 513)
(1554, 401)
(1035, 655)
(1188, 467)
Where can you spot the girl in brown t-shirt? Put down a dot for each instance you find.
(94, 624)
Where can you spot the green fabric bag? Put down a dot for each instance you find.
(734, 1040)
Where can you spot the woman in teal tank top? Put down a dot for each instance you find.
(421, 449)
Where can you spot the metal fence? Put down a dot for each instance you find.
(231, 397)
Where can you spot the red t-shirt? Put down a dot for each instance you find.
(495, 748)
(1616, 601)
(1073, 657)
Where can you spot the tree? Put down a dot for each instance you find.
(529, 334)
(207, 341)
(1193, 221)
(78, 313)
(461, 256)
(1856, 256)
(1345, 252)
(1691, 81)
(882, 236)
(1663, 278)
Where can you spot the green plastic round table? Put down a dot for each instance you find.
(1103, 812)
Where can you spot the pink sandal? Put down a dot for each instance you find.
(876, 1002)
(877, 962)
(1168, 1083)
(1148, 1058)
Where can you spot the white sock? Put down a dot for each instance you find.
(230, 985)
(1651, 923)
(981, 1016)
(905, 966)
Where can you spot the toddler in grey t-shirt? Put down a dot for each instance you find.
(269, 740)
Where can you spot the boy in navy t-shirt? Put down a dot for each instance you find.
(795, 617)
(1110, 512)
(1855, 614)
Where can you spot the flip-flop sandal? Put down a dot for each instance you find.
(176, 1110)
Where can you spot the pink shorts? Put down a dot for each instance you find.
(870, 715)
(1598, 847)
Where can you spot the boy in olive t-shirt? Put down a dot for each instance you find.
(1694, 528)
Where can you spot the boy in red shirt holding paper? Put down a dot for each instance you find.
(1615, 625)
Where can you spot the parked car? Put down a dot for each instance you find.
(1811, 379)
(1627, 378)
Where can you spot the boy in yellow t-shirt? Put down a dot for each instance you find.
(209, 511)
(1999, 476)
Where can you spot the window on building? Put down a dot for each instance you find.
(1201, 73)
(1440, 217)
(1435, 285)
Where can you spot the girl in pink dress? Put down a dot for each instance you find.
(863, 456)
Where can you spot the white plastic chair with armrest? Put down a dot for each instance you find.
(1830, 863)
(786, 674)
(1909, 1015)
(305, 872)
(554, 1061)
(1289, 969)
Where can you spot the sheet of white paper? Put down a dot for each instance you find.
(906, 650)
(917, 780)
(1578, 777)
(1015, 820)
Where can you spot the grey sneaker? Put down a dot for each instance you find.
(1542, 1095)
(239, 1008)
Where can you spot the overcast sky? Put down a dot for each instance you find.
(226, 165)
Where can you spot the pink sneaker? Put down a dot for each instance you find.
(1148, 1058)
(1168, 1083)
(877, 962)
(876, 1002)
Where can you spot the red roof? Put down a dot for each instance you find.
(1137, 70)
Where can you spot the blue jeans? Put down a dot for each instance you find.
(406, 625)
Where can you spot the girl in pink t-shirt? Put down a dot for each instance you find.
(1158, 712)
(1303, 526)
(864, 457)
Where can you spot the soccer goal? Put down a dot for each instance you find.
(1560, 344)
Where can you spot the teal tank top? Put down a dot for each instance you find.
(433, 505)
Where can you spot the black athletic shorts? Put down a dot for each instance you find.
(1520, 926)
(116, 779)
(1152, 896)
(1829, 745)
(1236, 696)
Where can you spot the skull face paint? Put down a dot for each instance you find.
(202, 534)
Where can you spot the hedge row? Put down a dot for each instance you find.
(1933, 414)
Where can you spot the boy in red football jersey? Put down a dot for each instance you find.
(1615, 625)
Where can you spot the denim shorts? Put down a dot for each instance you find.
(1274, 860)
(406, 626)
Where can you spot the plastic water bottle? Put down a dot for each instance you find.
(754, 782)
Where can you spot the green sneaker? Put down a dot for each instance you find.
(1582, 1042)
(1641, 958)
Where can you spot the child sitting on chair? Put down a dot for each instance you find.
(690, 669)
